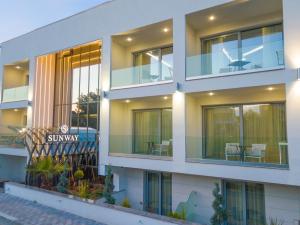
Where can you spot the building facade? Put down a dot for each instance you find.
(182, 94)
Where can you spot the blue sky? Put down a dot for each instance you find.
(21, 16)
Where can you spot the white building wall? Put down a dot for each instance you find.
(282, 203)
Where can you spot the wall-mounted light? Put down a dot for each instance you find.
(178, 87)
(105, 94)
(298, 73)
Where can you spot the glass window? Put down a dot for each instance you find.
(251, 49)
(153, 132)
(167, 63)
(219, 53)
(75, 85)
(251, 133)
(158, 193)
(154, 65)
(245, 203)
(222, 127)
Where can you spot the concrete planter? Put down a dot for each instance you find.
(100, 212)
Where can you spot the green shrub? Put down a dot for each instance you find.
(79, 174)
(220, 214)
(178, 215)
(108, 188)
(63, 182)
(83, 189)
(126, 203)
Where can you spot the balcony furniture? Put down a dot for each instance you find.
(281, 147)
(162, 149)
(257, 151)
(238, 64)
(232, 149)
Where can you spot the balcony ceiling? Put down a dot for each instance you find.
(149, 34)
(236, 12)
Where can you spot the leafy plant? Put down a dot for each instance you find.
(78, 175)
(108, 188)
(220, 214)
(45, 168)
(63, 182)
(83, 189)
(275, 222)
(126, 203)
(178, 215)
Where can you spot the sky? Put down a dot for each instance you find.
(21, 16)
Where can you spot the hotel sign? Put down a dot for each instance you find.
(62, 136)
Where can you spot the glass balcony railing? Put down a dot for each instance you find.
(138, 75)
(260, 151)
(224, 60)
(15, 94)
(140, 145)
(11, 136)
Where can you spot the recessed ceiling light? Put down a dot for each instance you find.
(129, 39)
(16, 110)
(212, 18)
(211, 93)
(166, 30)
(127, 101)
(165, 97)
(18, 67)
(270, 88)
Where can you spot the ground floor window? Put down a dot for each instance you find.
(245, 203)
(158, 192)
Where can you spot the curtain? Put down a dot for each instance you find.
(166, 128)
(146, 130)
(222, 125)
(166, 195)
(153, 192)
(265, 124)
(234, 203)
(255, 204)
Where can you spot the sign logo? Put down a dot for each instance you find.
(64, 129)
(63, 136)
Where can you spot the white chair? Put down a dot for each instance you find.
(281, 147)
(257, 151)
(162, 148)
(232, 149)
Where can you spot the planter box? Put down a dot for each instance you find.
(103, 213)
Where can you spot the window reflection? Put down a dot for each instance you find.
(77, 89)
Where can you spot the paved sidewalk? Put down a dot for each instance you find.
(16, 211)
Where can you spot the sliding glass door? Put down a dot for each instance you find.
(251, 133)
(153, 65)
(245, 203)
(158, 192)
(244, 50)
(152, 132)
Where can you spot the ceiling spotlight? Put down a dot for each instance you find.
(129, 39)
(16, 110)
(165, 97)
(18, 67)
(212, 18)
(211, 93)
(166, 30)
(270, 88)
(127, 101)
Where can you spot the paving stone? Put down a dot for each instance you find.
(31, 213)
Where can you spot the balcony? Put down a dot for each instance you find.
(15, 82)
(144, 129)
(13, 123)
(15, 94)
(143, 56)
(227, 43)
(226, 131)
